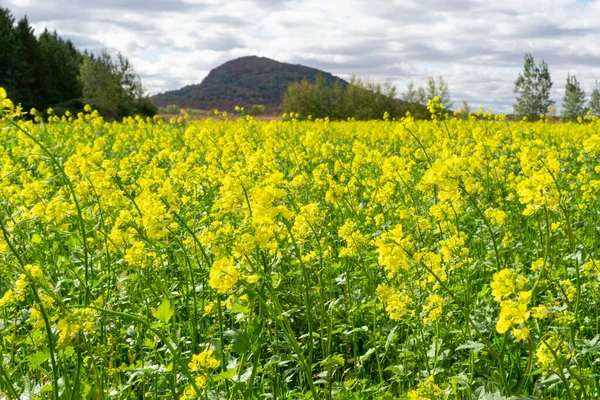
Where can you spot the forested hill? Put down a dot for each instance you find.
(243, 82)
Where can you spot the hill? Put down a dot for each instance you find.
(243, 82)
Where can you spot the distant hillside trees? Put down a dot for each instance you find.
(573, 100)
(359, 99)
(532, 89)
(46, 71)
(243, 82)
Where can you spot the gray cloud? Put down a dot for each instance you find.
(477, 45)
(217, 43)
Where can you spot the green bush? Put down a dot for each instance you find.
(173, 109)
(257, 110)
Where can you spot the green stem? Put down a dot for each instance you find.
(221, 338)
(6, 378)
(163, 338)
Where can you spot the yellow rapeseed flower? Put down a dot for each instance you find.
(223, 275)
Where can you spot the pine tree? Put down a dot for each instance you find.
(574, 100)
(8, 49)
(29, 68)
(532, 89)
(61, 62)
(594, 105)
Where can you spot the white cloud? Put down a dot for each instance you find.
(478, 46)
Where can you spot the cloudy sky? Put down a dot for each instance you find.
(477, 45)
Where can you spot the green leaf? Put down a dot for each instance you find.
(476, 346)
(164, 312)
(333, 360)
(46, 388)
(238, 308)
(229, 374)
(68, 352)
(38, 358)
(240, 341)
(390, 338)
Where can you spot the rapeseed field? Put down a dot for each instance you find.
(296, 259)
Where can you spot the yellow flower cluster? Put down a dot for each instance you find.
(352, 237)
(427, 390)
(433, 309)
(396, 303)
(17, 293)
(204, 360)
(507, 289)
(551, 350)
(190, 392)
(79, 321)
(223, 275)
(392, 246)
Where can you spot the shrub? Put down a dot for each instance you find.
(257, 110)
(173, 109)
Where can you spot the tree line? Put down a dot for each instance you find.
(49, 72)
(364, 100)
(357, 99)
(532, 94)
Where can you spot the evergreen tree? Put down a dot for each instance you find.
(45, 72)
(574, 100)
(28, 66)
(61, 62)
(594, 104)
(532, 89)
(8, 49)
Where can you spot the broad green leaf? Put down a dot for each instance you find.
(38, 358)
(240, 341)
(238, 308)
(229, 374)
(164, 312)
(331, 361)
